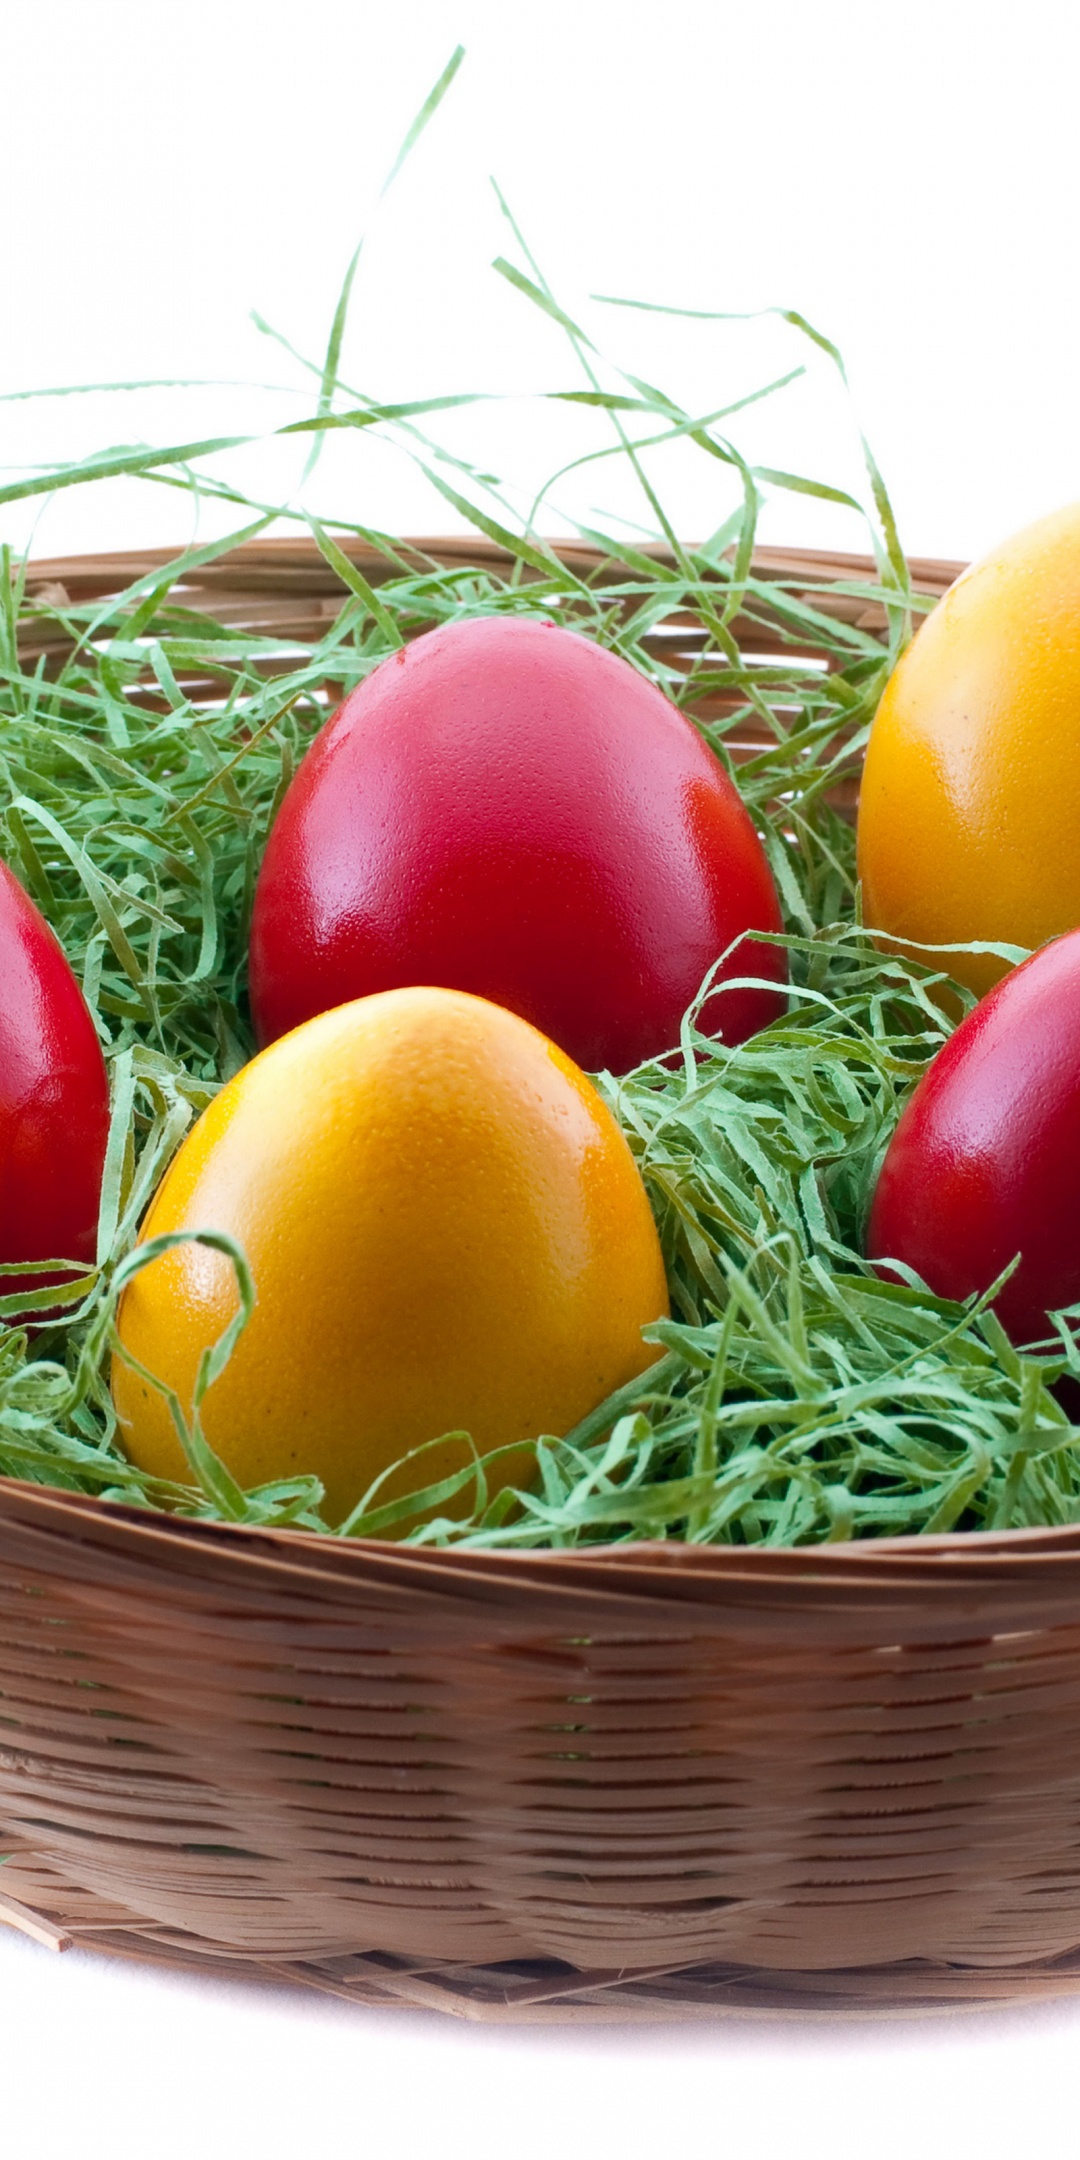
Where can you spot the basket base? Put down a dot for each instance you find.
(543, 1991)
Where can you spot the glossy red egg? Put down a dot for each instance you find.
(54, 1097)
(985, 1160)
(506, 808)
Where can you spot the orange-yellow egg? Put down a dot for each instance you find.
(447, 1232)
(969, 819)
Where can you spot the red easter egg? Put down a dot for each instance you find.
(54, 1098)
(506, 808)
(985, 1160)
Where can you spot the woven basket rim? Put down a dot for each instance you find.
(929, 573)
(648, 1566)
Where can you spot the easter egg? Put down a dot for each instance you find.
(447, 1232)
(985, 1159)
(507, 808)
(969, 815)
(54, 1098)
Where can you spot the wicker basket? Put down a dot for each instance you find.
(657, 1781)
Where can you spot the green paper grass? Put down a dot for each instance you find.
(796, 1398)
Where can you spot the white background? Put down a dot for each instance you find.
(908, 177)
(904, 174)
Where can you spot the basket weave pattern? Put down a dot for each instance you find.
(636, 1783)
(668, 1776)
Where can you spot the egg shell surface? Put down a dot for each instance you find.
(508, 808)
(969, 810)
(447, 1231)
(54, 1098)
(985, 1159)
